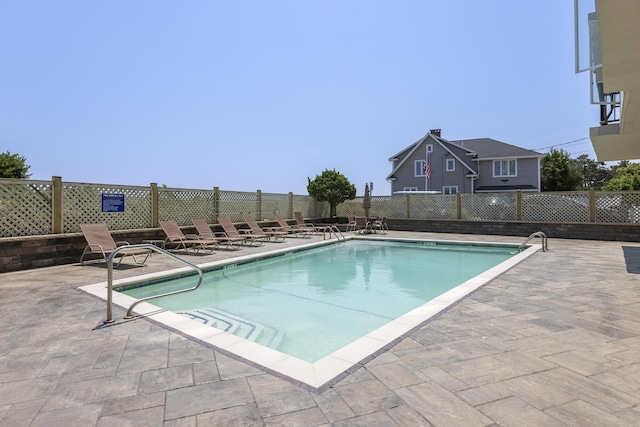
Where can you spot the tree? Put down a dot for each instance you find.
(332, 187)
(595, 174)
(558, 172)
(13, 166)
(627, 178)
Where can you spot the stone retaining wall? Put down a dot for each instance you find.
(24, 253)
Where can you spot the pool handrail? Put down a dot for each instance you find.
(335, 230)
(155, 249)
(541, 235)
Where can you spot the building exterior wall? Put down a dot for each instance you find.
(527, 174)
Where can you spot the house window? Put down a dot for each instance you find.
(505, 168)
(419, 168)
(409, 188)
(451, 165)
(429, 148)
(450, 189)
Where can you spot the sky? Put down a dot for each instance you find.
(264, 94)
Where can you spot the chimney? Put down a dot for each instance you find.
(436, 132)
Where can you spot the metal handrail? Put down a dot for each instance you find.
(541, 235)
(333, 229)
(153, 248)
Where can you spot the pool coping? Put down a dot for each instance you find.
(322, 374)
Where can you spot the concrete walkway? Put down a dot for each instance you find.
(555, 341)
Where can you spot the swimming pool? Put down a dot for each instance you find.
(312, 314)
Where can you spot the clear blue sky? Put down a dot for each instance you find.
(248, 95)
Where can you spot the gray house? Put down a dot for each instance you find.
(468, 166)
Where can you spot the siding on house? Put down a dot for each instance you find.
(527, 170)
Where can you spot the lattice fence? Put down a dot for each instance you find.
(306, 205)
(556, 207)
(274, 204)
(389, 206)
(82, 204)
(183, 205)
(438, 206)
(620, 207)
(491, 207)
(348, 207)
(236, 204)
(25, 207)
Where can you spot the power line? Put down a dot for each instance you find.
(559, 145)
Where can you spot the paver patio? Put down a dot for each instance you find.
(553, 341)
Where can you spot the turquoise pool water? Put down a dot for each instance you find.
(310, 303)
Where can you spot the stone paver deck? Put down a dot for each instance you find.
(554, 341)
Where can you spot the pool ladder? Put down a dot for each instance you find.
(333, 229)
(129, 314)
(541, 235)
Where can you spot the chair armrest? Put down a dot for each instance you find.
(122, 243)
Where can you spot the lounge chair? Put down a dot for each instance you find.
(231, 231)
(100, 241)
(306, 225)
(177, 237)
(284, 226)
(269, 232)
(205, 232)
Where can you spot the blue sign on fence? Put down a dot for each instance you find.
(112, 202)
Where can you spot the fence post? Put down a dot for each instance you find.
(56, 207)
(216, 203)
(154, 205)
(290, 205)
(592, 205)
(258, 214)
(519, 205)
(458, 206)
(408, 202)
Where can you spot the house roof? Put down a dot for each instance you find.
(487, 148)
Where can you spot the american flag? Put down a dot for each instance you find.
(426, 169)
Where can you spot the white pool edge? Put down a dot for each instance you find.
(324, 372)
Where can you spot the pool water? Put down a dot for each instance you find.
(310, 303)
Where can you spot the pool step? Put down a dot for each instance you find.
(244, 328)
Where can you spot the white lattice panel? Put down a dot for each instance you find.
(348, 207)
(25, 207)
(556, 206)
(236, 204)
(82, 204)
(437, 206)
(274, 204)
(304, 204)
(615, 206)
(489, 206)
(182, 205)
(387, 206)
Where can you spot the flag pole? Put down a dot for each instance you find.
(426, 166)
